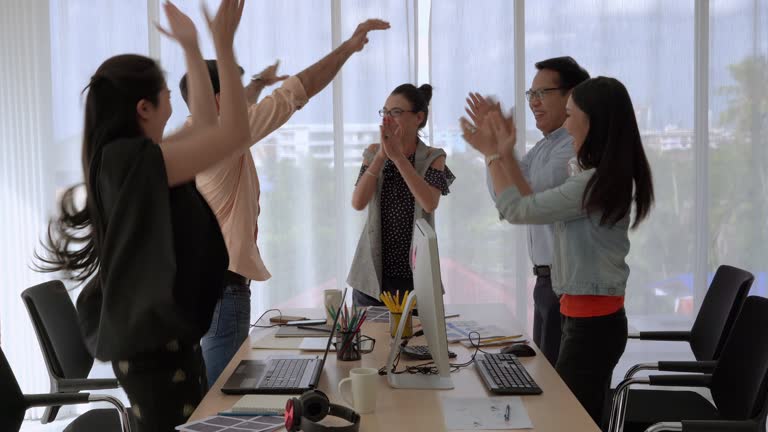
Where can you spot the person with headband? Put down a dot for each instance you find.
(400, 181)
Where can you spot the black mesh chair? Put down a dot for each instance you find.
(54, 318)
(719, 309)
(13, 404)
(738, 384)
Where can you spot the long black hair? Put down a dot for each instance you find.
(614, 148)
(74, 236)
(419, 98)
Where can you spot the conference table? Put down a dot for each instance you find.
(556, 409)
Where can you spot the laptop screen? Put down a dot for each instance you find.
(333, 328)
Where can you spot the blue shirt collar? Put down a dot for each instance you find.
(557, 134)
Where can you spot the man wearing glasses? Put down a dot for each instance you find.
(545, 166)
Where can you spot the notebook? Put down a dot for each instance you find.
(320, 331)
(263, 405)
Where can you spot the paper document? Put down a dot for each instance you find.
(489, 342)
(232, 424)
(269, 341)
(485, 413)
(460, 330)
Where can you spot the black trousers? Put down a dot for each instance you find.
(164, 387)
(589, 351)
(547, 330)
(388, 284)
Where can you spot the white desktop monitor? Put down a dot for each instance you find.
(428, 290)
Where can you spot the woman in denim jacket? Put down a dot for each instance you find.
(591, 215)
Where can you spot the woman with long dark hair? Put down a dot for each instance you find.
(591, 213)
(146, 243)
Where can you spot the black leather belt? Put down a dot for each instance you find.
(541, 271)
(232, 278)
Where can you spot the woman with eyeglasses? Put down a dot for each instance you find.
(400, 181)
(591, 216)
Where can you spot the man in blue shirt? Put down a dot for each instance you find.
(546, 167)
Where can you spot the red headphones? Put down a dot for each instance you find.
(303, 413)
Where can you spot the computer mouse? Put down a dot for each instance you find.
(519, 349)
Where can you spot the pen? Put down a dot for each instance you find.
(506, 414)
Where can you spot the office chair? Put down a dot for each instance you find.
(13, 404)
(57, 328)
(738, 384)
(719, 309)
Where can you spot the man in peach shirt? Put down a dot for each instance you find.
(231, 188)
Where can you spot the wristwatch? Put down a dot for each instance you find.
(491, 158)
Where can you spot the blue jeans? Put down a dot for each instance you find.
(229, 328)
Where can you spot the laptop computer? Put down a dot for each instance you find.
(287, 374)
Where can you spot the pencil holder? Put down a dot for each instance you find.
(348, 345)
(394, 322)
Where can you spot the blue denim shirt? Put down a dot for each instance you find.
(545, 167)
(589, 258)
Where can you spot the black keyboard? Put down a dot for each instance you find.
(285, 373)
(503, 374)
(421, 352)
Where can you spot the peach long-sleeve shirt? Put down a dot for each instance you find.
(231, 187)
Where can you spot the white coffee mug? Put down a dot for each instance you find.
(364, 389)
(331, 300)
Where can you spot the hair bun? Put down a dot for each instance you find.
(426, 91)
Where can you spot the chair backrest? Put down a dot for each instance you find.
(719, 309)
(12, 404)
(54, 318)
(740, 378)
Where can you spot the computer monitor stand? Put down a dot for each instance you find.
(406, 380)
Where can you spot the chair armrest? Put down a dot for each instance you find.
(703, 380)
(688, 366)
(52, 399)
(666, 426)
(683, 336)
(55, 399)
(74, 384)
(641, 367)
(620, 396)
(720, 426)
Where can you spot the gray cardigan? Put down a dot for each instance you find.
(366, 272)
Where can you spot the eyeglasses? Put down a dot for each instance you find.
(539, 93)
(394, 112)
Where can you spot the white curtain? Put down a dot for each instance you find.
(25, 134)
(471, 49)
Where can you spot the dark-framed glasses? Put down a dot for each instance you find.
(539, 93)
(394, 112)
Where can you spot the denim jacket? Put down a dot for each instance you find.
(588, 258)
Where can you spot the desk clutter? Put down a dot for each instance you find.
(348, 339)
(396, 305)
(497, 371)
